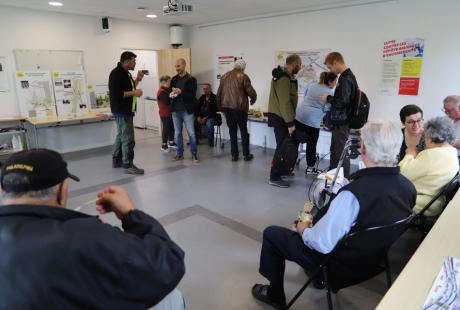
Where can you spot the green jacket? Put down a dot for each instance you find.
(283, 96)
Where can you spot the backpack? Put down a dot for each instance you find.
(285, 158)
(360, 110)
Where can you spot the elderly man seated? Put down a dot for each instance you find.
(359, 205)
(433, 167)
(55, 258)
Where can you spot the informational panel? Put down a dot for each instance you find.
(402, 66)
(312, 65)
(35, 93)
(3, 76)
(225, 64)
(99, 98)
(50, 60)
(70, 93)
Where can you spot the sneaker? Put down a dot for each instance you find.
(312, 171)
(172, 145)
(165, 148)
(177, 157)
(248, 157)
(134, 170)
(195, 158)
(279, 183)
(116, 163)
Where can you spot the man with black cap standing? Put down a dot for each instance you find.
(123, 104)
(56, 258)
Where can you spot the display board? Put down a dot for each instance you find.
(70, 93)
(312, 65)
(35, 93)
(27, 60)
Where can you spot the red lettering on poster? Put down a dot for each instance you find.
(409, 86)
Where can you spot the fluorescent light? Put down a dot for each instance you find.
(141, 9)
(52, 3)
(151, 16)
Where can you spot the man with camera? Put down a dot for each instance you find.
(359, 205)
(123, 104)
(55, 258)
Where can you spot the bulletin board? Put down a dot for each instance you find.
(48, 60)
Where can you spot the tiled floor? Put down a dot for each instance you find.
(216, 211)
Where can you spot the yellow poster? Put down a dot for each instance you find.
(411, 67)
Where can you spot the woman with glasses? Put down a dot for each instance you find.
(412, 121)
(433, 167)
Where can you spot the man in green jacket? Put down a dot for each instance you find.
(282, 104)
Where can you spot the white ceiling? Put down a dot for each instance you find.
(204, 11)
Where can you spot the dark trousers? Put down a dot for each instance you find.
(281, 133)
(338, 140)
(311, 135)
(235, 119)
(123, 149)
(281, 244)
(167, 132)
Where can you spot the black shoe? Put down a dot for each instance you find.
(317, 281)
(279, 183)
(165, 148)
(134, 170)
(172, 145)
(116, 163)
(287, 176)
(235, 158)
(249, 157)
(260, 292)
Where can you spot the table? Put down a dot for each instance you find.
(412, 286)
(33, 124)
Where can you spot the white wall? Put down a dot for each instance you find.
(29, 29)
(357, 32)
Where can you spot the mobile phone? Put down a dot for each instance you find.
(146, 72)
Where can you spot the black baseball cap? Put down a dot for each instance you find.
(45, 169)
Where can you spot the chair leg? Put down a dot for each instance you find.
(387, 270)
(328, 289)
(304, 287)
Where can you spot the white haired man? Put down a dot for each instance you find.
(452, 110)
(358, 205)
(232, 98)
(55, 258)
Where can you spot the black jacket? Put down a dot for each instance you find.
(188, 93)
(207, 109)
(54, 258)
(343, 99)
(121, 81)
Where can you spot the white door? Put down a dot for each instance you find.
(146, 60)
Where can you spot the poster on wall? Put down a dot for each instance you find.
(312, 65)
(99, 97)
(35, 93)
(225, 64)
(4, 87)
(70, 92)
(402, 66)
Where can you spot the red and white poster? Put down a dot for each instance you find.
(402, 66)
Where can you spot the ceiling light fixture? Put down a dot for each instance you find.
(141, 9)
(151, 16)
(52, 3)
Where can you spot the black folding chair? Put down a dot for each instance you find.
(424, 223)
(218, 132)
(358, 257)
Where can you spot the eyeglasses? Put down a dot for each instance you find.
(448, 111)
(413, 123)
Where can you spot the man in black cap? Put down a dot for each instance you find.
(55, 258)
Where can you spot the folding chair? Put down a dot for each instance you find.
(358, 257)
(424, 223)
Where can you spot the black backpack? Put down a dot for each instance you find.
(285, 157)
(360, 110)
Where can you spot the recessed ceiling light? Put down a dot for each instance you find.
(151, 16)
(55, 3)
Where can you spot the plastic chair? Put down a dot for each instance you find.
(358, 257)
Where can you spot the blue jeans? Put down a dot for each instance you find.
(210, 129)
(189, 120)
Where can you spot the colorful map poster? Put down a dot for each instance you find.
(35, 93)
(402, 66)
(70, 92)
(312, 65)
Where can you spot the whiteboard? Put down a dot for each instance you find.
(48, 60)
